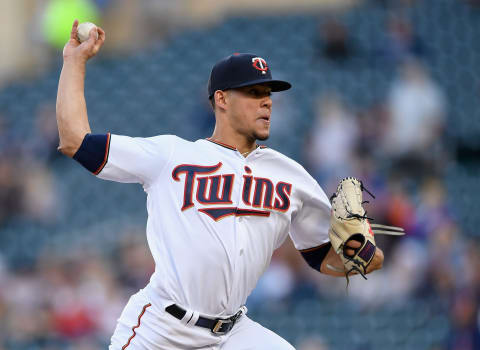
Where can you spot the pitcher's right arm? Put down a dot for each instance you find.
(72, 118)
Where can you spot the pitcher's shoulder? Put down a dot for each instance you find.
(168, 139)
(285, 161)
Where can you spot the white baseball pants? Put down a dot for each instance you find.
(142, 326)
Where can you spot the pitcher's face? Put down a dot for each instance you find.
(250, 109)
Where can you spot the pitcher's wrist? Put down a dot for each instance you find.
(75, 62)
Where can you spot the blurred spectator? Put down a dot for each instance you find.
(372, 124)
(26, 321)
(44, 142)
(204, 117)
(134, 263)
(332, 139)
(26, 184)
(396, 283)
(465, 333)
(401, 41)
(432, 211)
(472, 267)
(453, 268)
(284, 122)
(39, 199)
(287, 279)
(3, 132)
(313, 343)
(276, 284)
(445, 248)
(70, 300)
(70, 316)
(417, 116)
(10, 189)
(3, 303)
(334, 42)
(400, 209)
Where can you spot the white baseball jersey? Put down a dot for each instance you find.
(215, 217)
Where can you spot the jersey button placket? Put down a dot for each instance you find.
(240, 155)
(241, 220)
(238, 244)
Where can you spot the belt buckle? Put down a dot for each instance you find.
(218, 326)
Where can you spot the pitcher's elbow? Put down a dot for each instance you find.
(70, 141)
(66, 150)
(70, 147)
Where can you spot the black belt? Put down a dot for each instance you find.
(217, 326)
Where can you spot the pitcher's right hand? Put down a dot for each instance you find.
(83, 51)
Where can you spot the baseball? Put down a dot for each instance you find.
(83, 31)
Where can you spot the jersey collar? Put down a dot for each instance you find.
(231, 147)
(221, 144)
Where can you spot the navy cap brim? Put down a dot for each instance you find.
(276, 85)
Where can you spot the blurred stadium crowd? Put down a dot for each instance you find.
(386, 91)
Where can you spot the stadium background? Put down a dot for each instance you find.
(383, 90)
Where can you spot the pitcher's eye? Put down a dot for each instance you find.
(259, 93)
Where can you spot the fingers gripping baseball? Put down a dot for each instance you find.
(351, 246)
(86, 50)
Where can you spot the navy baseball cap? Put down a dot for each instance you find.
(242, 69)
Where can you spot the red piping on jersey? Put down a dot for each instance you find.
(222, 144)
(134, 327)
(107, 151)
(312, 249)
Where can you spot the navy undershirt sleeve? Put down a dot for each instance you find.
(315, 256)
(93, 152)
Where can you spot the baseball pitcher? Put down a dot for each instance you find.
(217, 209)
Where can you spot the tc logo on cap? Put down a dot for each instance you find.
(260, 64)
